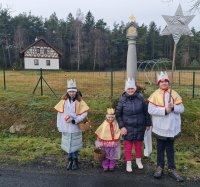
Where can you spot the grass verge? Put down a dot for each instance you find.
(40, 141)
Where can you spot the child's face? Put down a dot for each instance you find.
(110, 118)
(72, 93)
(164, 85)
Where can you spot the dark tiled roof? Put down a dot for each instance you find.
(40, 42)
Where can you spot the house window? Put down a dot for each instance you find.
(36, 62)
(38, 50)
(45, 51)
(48, 62)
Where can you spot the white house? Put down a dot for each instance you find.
(41, 54)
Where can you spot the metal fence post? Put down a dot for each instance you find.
(193, 85)
(41, 81)
(41, 89)
(179, 78)
(4, 78)
(111, 83)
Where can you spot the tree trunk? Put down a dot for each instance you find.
(95, 56)
(78, 49)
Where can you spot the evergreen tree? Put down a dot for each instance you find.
(89, 45)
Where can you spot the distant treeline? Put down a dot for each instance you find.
(89, 44)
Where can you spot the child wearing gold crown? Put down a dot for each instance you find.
(71, 110)
(108, 135)
(165, 107)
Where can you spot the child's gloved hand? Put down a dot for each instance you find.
(73, 116)
(73, 121)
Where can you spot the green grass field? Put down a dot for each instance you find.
(93, 84)
(40, 141)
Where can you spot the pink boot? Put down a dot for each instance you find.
(112, 165)
(105, 164)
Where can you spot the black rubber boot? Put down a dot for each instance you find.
(70, 163)
(75, 164)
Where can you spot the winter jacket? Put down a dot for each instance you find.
(132, 113)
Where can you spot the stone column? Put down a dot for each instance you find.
(131, 65)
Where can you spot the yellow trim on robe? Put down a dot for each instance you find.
(157, 98)
(60, 106)
(80, 107)
(103, 131)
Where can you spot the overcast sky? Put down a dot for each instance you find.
(110, 11)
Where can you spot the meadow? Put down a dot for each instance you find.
(40, 140)
(94, 84)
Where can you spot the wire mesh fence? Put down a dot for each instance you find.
(93, 84)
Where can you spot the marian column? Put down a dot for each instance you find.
(131, 65)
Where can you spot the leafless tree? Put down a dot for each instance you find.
(98, 47)
(195, 4)
(79, 20)
(19, 41)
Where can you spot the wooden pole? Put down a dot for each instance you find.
(173, 67)
(173, 62)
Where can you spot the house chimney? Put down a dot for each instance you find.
(36, 39)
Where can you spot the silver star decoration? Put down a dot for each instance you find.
(177, 25)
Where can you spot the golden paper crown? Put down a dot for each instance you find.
(110, 111)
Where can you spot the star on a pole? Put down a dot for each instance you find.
(177, 25)
(132, 18)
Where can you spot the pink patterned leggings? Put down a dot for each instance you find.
(128, 146)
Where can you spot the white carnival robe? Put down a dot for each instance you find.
(71, 133)
(166, 125)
